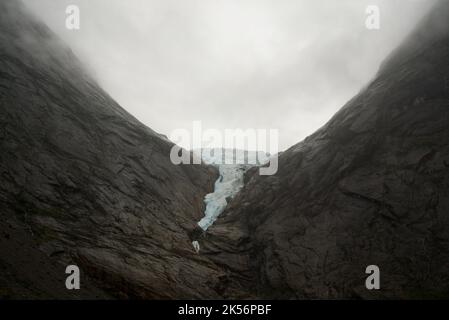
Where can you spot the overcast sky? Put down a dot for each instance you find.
(281, 64)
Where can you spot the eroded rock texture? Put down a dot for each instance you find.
(370, 187)
(84, 182)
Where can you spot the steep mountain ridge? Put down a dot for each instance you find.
(84, 182)
(368, 188)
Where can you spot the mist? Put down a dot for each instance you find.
(287, 65)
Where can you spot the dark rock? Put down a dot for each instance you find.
(370, 187)
(84, 182)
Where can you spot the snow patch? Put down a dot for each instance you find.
(196, 246)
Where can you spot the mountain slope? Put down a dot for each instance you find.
(84, 182)
(371, 187)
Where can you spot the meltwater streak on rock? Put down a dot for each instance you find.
(230, 181)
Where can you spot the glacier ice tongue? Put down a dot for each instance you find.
(230, 181)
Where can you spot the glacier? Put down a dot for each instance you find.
(232, 165)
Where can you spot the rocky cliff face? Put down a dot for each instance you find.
(371, 187)
(84, 182)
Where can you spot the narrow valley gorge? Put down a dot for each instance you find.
(84, 182)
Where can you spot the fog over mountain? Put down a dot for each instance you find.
(85, 183)
(369, 188)
(287, 65)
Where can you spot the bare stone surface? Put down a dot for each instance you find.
(84, 182)
(370, 187)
